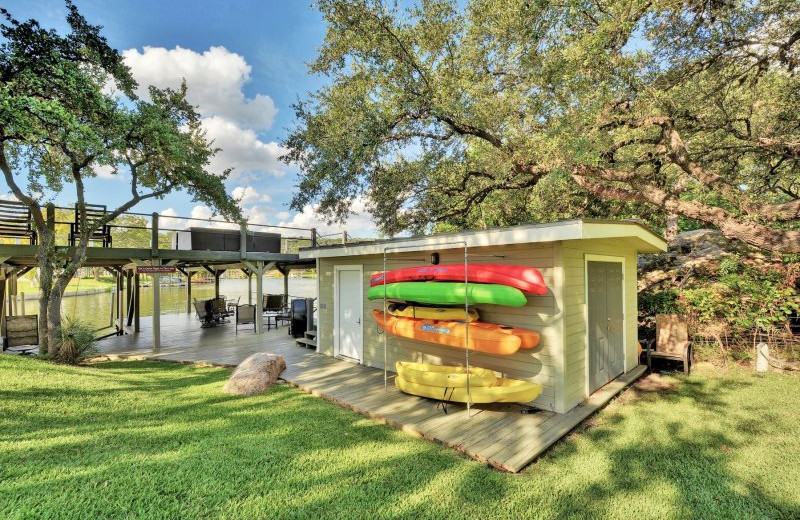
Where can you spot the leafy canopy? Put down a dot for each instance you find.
(521, 110)
(68, 109)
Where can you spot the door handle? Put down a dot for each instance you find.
(358, 321)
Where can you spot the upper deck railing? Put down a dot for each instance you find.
(155, 231)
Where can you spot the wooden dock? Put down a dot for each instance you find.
(499, 435)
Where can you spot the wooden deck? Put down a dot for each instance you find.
(499, 435)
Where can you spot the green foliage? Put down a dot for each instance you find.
(493, 113)
(746, 299)
(77, 341)
(661, 302)
(143, 440)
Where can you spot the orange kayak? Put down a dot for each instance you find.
(450, 333)
(529, 338)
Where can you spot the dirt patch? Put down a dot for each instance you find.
(654, 382)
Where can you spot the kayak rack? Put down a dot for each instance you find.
(397, 249)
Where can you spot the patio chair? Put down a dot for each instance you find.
(16, 221)
(203, 314)
(232, 305)
(245, 315)
(21, 334)
(94, 212)
(218, 310)
(274, 303)
(671, 343)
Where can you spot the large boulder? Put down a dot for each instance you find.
(255, 374)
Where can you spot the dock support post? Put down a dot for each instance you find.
(156, 307)
(128, 297)
(286, 286)
(216, 282)
(249, 287)
(136, 306)
(259, 271)
(189, 275)
(120, 304)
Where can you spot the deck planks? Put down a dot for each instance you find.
(498, 435)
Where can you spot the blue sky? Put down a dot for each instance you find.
(245, 64)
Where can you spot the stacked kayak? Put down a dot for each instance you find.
(434, 304)
(449, 383)
(402, 310)
(450, 293)
(526, 279)
(483, 337)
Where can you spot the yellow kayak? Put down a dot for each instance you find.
(444, 376)
(432, 313)
(503, 391)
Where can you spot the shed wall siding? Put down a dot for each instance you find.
(544, 364)
(574, 253)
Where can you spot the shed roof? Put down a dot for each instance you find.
(640, 237)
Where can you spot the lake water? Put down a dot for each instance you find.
(96, 308)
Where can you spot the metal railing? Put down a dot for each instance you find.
(156, 231)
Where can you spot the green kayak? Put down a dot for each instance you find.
(449, 293)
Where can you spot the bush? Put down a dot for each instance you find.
(77, 341)
(730, 305)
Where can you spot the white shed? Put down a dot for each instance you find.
(587, 319)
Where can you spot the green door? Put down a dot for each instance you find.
(606, 322)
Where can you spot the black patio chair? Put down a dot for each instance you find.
(94, 212)
(16, 221)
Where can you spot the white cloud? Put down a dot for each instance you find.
(360, 224)
(242, 149)
(249, 195)
(104, 171)
(214, 78)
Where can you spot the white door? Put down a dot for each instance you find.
(606, 322)
(349, 330)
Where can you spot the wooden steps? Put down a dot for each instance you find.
(309, 341)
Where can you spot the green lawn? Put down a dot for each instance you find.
(158, 440)
(83, 284)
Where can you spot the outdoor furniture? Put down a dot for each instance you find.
(672, 342)
(271, 317)
(203, 314)
(245, 315)
(298, 323)
(219, 310)
(16, 221)
(283, 316)
(21, 334)
(232, 304)
(94, 212)
(274, 303)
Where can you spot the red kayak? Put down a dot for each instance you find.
(527, 279)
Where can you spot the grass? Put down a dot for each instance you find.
(158, 440)
(83, 284)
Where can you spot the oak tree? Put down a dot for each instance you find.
(438, 113)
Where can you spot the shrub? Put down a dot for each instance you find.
(77, 341)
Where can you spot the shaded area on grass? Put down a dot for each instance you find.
(160, 440)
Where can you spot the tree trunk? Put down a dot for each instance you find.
(54, 322)
(45, 289)
(44, 298)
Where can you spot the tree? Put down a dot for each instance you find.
(59, 124)
(658, 108)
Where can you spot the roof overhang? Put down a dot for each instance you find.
(642, 238)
